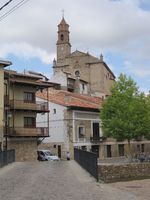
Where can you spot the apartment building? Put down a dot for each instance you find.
(20, 128)
(3, 64)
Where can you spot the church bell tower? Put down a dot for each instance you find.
(63, 44)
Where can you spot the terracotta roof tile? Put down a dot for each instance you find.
(69, 99)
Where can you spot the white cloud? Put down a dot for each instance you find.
(26, 51)
(141, 70)
(117, 26)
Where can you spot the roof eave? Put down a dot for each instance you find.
(84, 108)
(5, 63)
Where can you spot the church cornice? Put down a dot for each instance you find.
(60, 66)
(59, 43)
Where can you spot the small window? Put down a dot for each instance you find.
(83, 86)
(62, 37)
(29, 122)
(109, 151)
(121, 149)
(54, 146)
(84, 148)
(142, 148)
(29, 97)
(77, 73)
(81, 131)
(54, 111)
(138, 148)
(42, 130)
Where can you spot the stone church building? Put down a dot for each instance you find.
(74, 119)
(81, 67)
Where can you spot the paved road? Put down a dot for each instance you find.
(63, 180)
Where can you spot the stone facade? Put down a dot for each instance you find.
(25, 150)
(136, 147)
(123, 172)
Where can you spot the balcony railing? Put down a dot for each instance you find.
(34, 106)
(27, 132)
(97, 139)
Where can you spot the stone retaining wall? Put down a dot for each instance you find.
(123, 172)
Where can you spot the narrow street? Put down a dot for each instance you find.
(56, 181)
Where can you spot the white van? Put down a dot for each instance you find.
(44, 155)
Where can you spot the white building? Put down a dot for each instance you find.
(73, 122)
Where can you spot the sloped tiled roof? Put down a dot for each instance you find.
(70, 99)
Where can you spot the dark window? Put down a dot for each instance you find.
(81, 132)
(138, 148)
(29, 122)
(84, 148)
(121, 149)
(142, 148)
(29, 97)
(95, 149)
(62, 37)
(59, 151)
(108, 150)
(83, 86)
(70, 90)
(96, 130)
(54, 111)
(77, 73)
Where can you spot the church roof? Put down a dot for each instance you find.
(72, 100)
(63, 22)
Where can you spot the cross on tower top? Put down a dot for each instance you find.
(63, 12)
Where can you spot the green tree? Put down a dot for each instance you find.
(148, 106)
(124, 114)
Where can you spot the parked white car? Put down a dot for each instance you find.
(44, 155)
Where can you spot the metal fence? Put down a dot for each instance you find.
(87, 160)
(7, 157)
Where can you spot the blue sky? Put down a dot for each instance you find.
(119, 29)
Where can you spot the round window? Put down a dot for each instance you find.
(77, 73)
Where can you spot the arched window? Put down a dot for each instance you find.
(54, 111)
(62, 37)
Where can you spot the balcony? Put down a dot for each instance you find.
(97, 139)
(33, 106)
(27, 132)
